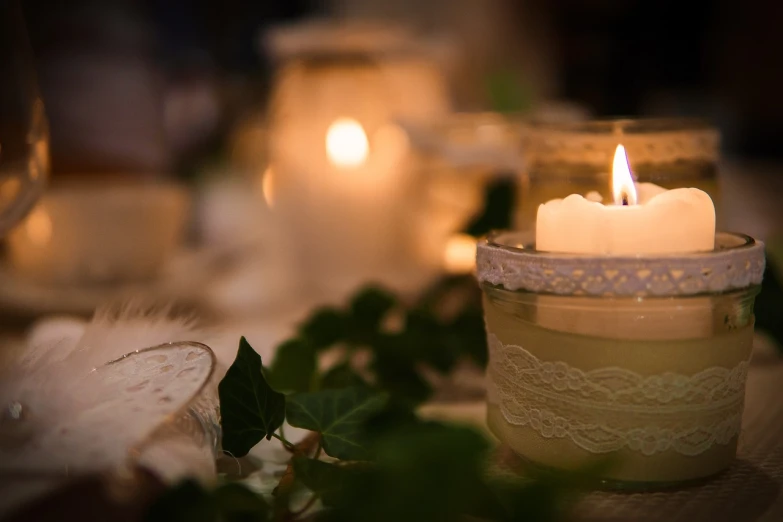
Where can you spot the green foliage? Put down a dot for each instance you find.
(236, 503)
(186, 502)
(507, 93)
(425, 471)
(768, 307)
(499, 203)
(465, 334)
(390, 465)
(338, 416)
(294, 366)
(395, 360)
(341, 375)
(250, 409)
(324, 327)
(190, 502)
(396, 371)
(369, 307)
(329, 481)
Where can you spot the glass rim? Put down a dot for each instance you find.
(740, 240)
(135, 450)
(625, 125)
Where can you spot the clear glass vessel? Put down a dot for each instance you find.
(24, 132)
(457, 159)
(154, 408)
(576, 158)
(637, 363)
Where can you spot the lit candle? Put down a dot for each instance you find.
(343, 186)
(623, 344)
(643, 219)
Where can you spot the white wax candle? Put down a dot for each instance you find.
(663, 221)
(655, 221)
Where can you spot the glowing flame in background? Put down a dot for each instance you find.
(346, 143)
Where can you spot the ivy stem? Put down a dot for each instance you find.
(287, 445)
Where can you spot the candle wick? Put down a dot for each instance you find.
(625, 199)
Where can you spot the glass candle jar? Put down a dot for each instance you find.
(24, 129)
(339, 158)
(457, 159)
(567, 158)
(638, 361)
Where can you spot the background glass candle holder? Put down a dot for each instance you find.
(569, 158)
(638, 362)
(24, 130)
(468, 162)
(457, 159)
(338, 156)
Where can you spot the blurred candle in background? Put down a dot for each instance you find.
(460, 254)
(341, 180)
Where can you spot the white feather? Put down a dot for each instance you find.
(52, 381)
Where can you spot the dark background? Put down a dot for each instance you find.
(720, 60)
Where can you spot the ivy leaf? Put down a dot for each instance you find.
(395, 370)
(401, 380)
(338, 416)
(769, 304)
(424, 340)
(467, 336)
(341, 376)
(249, 408)
(423, 472)
(294, 366)
(394, 416)
(436, 467)
(236, 503)
(329, 481)
(369, 307)
(188, 501)
(498, 212)
(185, 502)
(324, 327)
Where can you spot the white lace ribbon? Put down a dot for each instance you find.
(613, 408)
(503, 260)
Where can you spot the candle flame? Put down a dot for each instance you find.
(346, 143)
(623, 187)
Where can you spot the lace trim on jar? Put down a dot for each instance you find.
(612, 408)
(737, 262)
